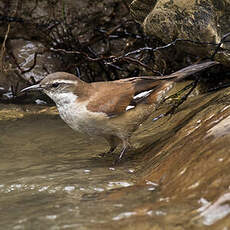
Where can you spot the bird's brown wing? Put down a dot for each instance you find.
(114, 98)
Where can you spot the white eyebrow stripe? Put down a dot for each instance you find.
(142, 94)
(64, 81)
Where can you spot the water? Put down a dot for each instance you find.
(52, 178)
(176, 178)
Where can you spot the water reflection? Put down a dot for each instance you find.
(211, 213)
(221, 128)
(48, 173)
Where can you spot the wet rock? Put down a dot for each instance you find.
(24, 56)
(201, 21)
(26, 62)
(189, 160)
(36, 27)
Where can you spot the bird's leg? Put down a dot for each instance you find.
(108, 152)
(113, 142)
(125, 148)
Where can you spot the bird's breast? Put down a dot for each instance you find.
(79, 118)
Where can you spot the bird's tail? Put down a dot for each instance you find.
(163, 87)
(190, 70)
(182, 73)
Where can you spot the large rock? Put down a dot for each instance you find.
(200, 21)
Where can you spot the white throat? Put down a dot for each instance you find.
(67, 106)
(62, 99)
(73, 112)
(76, 114)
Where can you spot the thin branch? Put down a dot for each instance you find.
(3, 48)
(136, 61)
(183, 99)
(33, 65)
(219, 45)
(78, 53)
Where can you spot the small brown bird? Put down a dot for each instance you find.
(114, 109)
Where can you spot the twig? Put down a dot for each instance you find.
(177, 94)
(183, 99)
(3, 48)
(219, 45)
(34, 63)
(164, 47)
(79, 53)
(136, 61)
(107, 59)
(20, 68)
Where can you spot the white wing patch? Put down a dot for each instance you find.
(143, 94)
(130, 107)
(137, 97)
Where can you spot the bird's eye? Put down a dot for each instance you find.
(55, 85)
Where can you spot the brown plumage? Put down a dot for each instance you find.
(113, 110)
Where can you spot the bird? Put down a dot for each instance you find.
(110, 109)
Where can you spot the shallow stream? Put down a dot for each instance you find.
(177, 178)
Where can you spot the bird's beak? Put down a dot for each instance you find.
(32, 88)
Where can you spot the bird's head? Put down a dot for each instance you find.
(61, 87)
